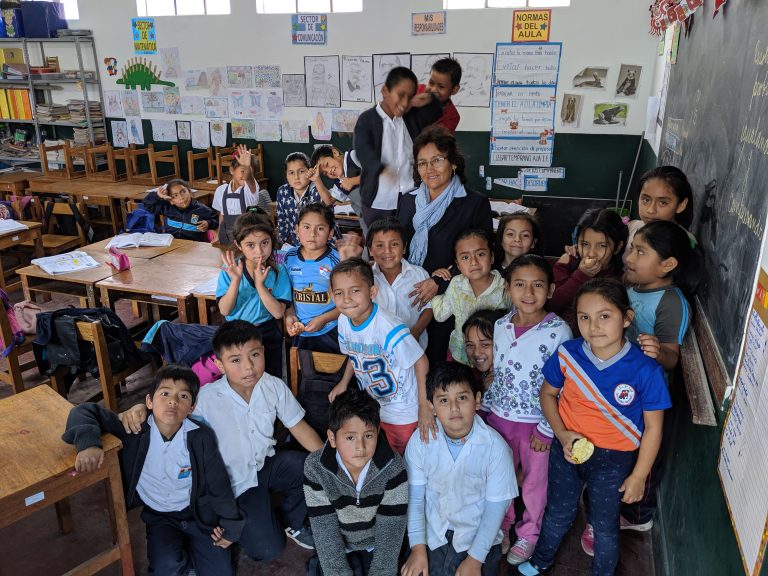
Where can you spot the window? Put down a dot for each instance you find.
(70, 9)
(466, 4)
(181, 7)
(312, 6)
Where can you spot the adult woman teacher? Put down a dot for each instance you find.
(433, 215)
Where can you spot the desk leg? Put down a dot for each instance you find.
(37, 252)
(2, 274)
(181, 304)
(117, 511)
(25, 288)
(202, 311)
(90, 294)
(64, 515)
(106, 299)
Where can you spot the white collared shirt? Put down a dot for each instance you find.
(245, 430)
(360, 479)
(394, 297)
(165, 483)
(233, 204)
(396, 153)
(458, 490)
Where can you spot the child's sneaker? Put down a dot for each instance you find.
(530, 569)
(520, 552)
(588, 540)
(625, 524)
(302, 536)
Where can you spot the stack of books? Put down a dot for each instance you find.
(53, 112)
(15, 104)
(77, 110)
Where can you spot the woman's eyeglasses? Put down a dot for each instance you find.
(436, 163)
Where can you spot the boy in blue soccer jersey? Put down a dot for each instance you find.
(387, 361)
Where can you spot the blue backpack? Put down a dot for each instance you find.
(140, 220)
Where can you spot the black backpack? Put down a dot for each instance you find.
(314, 388)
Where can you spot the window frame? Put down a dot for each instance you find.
(259, 9)
(145, 13)
(525, 4)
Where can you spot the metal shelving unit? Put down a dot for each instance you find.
(47, 86)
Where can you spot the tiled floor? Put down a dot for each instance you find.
(34, 547)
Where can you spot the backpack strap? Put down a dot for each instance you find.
(89, 233)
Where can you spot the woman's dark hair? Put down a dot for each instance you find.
(678, 183)
(484, 320)
(318, 208)
(473, 233)
(530, 260)
(670, 240)
(610, 289)
(538, 245)
(353, 403)
(445, 142)
(251, 222)
(606, 222)
(176, 372)
(443, 375)
(297, 156)
(399, 73)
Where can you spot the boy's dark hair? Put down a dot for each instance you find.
(234, 333)
(318, 208)
(473, 233)
(446, 374)
(353, 402)
(449, 66)
(399, 73)
(530, 260)
(445, 142)
(538, 245)
(609, 223)
(235, 163)
(354, 266)
(176, 372)
(484, 320)
(679, 184)
(297, 156)
(386, 224)
(671, 240)
(610, 289)
(323, 151)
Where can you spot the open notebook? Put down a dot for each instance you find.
(140, 239)
(64, 263)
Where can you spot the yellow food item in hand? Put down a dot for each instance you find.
(589, 262)
(581, 450)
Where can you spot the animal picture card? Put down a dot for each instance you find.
(611, 114)
(570, 111)
(592, 77)
(629, 80)
(113, 104)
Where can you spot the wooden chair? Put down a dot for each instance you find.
(68, 170)
(94, 332)
(58, 243)
(12, 370)
(154, 159)
(198, 181)
(111, 174)
(326, 362)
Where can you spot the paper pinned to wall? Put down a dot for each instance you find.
(170, 62)
(184, 129)
(476, 78)
(515, 183)
(421, 65)
(356, 82)
(193, 105)
(321, 125)
(243, 129)
(152, 102)
(215, 107)
(271, 103)
(295, 131)
(164, 131)
(534, 184)
(219, 133)
(522, 151)
(240, 76)
(196, 79)
(217, 80)
(522, 111)
(201, 134)
(268, 130)
(135, 130)
(551, 173)
(266, 76)
(130, 99)
(527, 64)
(344, 120)
(172, 100)
(322, 77)
(383, 63)
(113, 104)
(120, 133)
(294, 90)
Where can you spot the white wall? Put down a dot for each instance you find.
(593, 32)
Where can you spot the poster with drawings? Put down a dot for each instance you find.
(356, 85)
(268, 130)
(421, 64)
(196, 80)
(119, 133)
(201, 134)
(152, 103)
(219, 133)
(171, 100)
(322, 77)
(266, 76)
(240, 76)
(294, 91)
(344, 120)
(113, 104)
(130, 99)
(382, 64)
(215, 107)
(217, 80)
(476, 77)
(135, 130)
(243, 129)
(164, 131)
(170, 62)
(184, 129)
(193, 105)
(295, 131)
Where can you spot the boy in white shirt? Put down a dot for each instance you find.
(460, 486)
(387, 361)
(395, 277)
(241, 407)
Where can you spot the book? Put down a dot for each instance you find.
(5, 111)
(12, 226)
(138, 239)
(64, 263)
(501, 207)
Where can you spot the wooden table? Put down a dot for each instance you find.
(16, 182)
(81, 284)
(143, 252)
(11, 239)
(173, 282)
(38, 471)
(197, 253)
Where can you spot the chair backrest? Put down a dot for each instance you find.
(325, 362)
(65, 209)
(207, 155)
(165, 157)
(69, 154)
(93, 155)
(224, 159)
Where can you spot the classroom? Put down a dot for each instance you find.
(530, 233)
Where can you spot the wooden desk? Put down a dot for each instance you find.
(16, 182)
(10, 239)
(38, 471)
(81, 284)
(153, 278)
(99, 249)
(197, 253)
(204, 304)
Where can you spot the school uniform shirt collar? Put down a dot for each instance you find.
(406, 270)
(360, 479)
(603, 364)
(497, 283)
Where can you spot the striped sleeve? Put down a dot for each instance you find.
(403, 346)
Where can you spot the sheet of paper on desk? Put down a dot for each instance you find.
(12, 226)
(207, 287)
(63, 263)
(507, 207)
(343, 209)
(139, 239)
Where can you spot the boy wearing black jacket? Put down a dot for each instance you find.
(185, 217)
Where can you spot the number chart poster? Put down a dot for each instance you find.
(144, 35)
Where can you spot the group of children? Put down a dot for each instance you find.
(432, 451)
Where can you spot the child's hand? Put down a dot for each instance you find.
(260, 272)
(469, 567)
(633, 489)
(243, 155)
(569, 251)
(313, 174)
(348, 183)
(218, 538)
(538, 445)
(292, 325)
(203, 226)
(443, 273)
(567, 438)
(314, 325)
(233, 266)
(336, 390)
(89, 459)
(133, 418)
(590, 266)
(417, 563)
(423, 292)
(421, 100)
(349, 246)
(649, 344)
(426, 422)
(162, 192)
